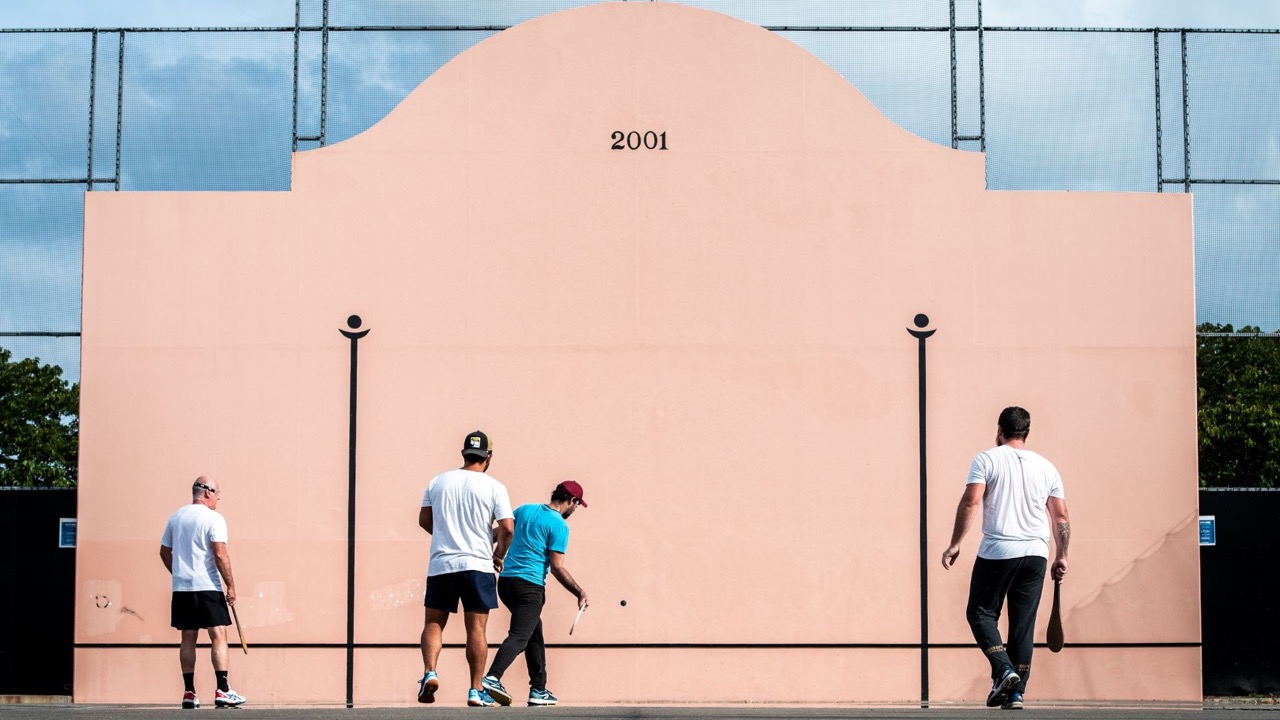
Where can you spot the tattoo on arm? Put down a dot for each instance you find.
(1064, 535)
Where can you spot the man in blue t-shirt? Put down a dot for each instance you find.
(540, 541)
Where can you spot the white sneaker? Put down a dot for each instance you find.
(230, 698)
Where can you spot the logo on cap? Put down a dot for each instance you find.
(477, 443)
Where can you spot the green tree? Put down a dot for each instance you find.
(39, 424)
(1239, 403)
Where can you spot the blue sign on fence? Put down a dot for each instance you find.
(1208, 530)
(66, 532)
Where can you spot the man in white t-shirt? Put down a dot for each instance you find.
(1015, 487)
(459, 509)
(194, 550)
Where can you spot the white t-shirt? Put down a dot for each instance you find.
(464, 505)
(190, 533)
(1019, 484)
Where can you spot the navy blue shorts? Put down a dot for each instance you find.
(478, 591)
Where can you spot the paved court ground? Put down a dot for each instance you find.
(1211, 710)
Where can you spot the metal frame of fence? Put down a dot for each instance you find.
(1186, 179)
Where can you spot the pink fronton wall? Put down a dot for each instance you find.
(712, 338)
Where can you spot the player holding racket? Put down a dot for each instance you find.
(540, 541)
(1014, 486)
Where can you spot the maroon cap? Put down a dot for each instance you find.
(573, 489)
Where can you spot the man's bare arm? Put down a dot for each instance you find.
(223, 561)
(502, 535)
(425, 520)
(1061, 522)
(562, 574)
(166, 557)
(970, 501)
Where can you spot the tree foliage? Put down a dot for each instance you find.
(1239, 401)
(39, 424)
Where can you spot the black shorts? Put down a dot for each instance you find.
(198, 610)
(478, 591)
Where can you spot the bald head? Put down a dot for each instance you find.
(205, 490)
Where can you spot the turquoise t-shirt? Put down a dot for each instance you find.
(539, 532)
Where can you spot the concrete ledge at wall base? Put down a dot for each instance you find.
(35, 699)
(1238, 700)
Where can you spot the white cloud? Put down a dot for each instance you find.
(1251, 14)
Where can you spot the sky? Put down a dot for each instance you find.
(212, 112)
(1251, 14)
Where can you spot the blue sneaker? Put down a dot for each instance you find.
(541, 697)
(493, 686)
(1013, 702)
(1007, 681)
(427, 687)
(479, 698)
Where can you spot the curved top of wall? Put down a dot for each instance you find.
(714, 339)
(565, 81)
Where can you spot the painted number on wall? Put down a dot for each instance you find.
(636, 140)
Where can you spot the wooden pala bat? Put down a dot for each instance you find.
(1054, 637)
(240, 631)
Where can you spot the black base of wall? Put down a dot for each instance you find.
(1239, 606)
(37, 594)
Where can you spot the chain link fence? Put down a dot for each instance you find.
(1135, 110)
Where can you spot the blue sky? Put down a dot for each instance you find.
(212, 112)
(175, 13)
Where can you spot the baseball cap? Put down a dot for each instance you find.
(477, 444)
(573, 489)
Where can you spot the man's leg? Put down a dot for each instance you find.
(187, 660)
(225, 696)
(187, 651)
(524, 600)
(535, 657)
(987, 588)
(432, 637)
(179, 610)
(1024, 601)
(218, 648)
(432, 640)
(477, 644)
